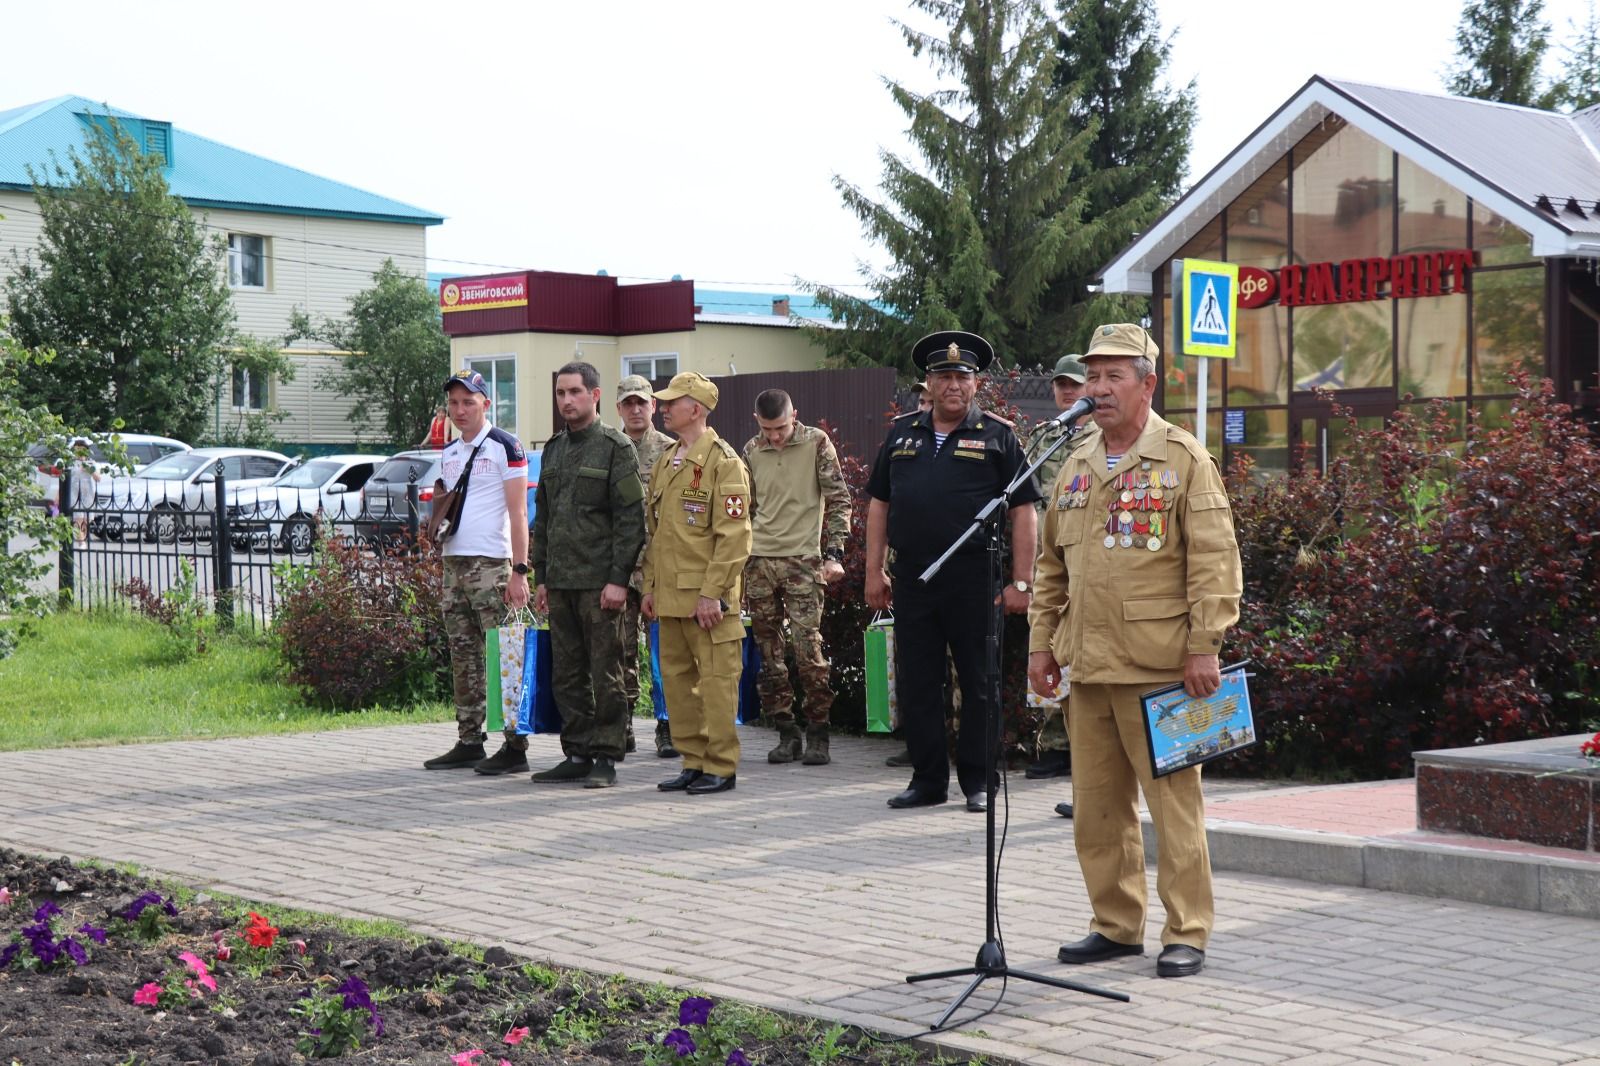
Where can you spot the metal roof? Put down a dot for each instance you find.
(202, 172)
(784, 321)
(1502, 156)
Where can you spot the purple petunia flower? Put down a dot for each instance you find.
(694, 1010)
(74, 951)
(170, 907)
(9, 952)
(736, 1057)
(357, 996)
(46, 911)
(94, 933)
(680, 1041)
(136, 907)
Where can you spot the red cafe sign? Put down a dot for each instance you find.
(1353, 280)
(481, 294)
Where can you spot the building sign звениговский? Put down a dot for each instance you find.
(483, 294)
(1353, 280)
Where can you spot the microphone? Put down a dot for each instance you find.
(1083, 406)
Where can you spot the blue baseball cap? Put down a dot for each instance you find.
(469, 379)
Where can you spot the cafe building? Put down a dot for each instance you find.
(1394, 248)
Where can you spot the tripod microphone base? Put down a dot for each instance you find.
(991, 962)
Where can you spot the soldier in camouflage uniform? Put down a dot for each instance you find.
(1068, 385)
(800, 519)
(636, 405)
(588, 531)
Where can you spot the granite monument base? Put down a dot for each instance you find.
(1535, 791)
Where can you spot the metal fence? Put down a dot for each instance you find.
(231, 543)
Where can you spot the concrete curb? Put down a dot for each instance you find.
(1473, 874)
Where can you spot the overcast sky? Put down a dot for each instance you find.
(649, 139)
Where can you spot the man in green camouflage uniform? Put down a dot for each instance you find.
(636, 407)
(1068, 385)
(587, 533)
(800, 520)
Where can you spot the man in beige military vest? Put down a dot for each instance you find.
(636, 407)
(698, 523)
(1136, 583)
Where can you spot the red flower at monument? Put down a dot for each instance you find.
(259, 934)
(1591, 747)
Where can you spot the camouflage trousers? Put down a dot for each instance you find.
(633, 631)
(792, 588)
(1053, 732)
(474, 603)
(588, 650)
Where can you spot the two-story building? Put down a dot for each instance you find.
(294, 240)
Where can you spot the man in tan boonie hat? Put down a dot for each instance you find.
(697, 388)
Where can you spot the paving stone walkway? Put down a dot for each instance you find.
(801, 891)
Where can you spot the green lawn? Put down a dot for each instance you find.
(104, 678)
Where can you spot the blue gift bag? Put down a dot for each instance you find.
(537, 713)
(750, 669)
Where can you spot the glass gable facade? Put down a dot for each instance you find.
(1341, 195)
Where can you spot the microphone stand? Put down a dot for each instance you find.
(991, 959)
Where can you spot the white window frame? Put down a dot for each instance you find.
(237, 254)
(489, 366)
(645, 364)
(249, 379)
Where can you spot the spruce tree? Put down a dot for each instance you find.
(1500, 45)
(979, 227)
(1112, 78)
(1580, 85)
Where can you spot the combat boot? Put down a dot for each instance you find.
(816, 745)
(789, 741)
(664, 748)
(507, 760)
(459, 757)
(572, 768)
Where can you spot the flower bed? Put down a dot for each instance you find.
(105, 967)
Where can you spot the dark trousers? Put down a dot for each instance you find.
(950, 613)
(587, 652)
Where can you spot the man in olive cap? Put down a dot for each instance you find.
(698, 520)
(1139, 539)
(636, 408)
(1067, 384)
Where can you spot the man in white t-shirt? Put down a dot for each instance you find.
(485, 565)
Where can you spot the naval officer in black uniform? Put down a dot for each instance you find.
(933, 474)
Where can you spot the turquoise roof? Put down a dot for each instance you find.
(201, 171)
(731, 302)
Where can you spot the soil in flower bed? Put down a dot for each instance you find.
(435, 1001)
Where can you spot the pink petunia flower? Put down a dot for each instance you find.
(224, 953)
(218, 936)
(467, 1058)
(517, 1036)
(202, 975)
(6, 896)
(147, 996)
(300, 947)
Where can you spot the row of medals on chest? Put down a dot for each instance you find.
(1137, 518)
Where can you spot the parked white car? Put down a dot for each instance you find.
(287, 513)
(141, 450)
(178, 494)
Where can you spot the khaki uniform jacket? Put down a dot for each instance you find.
(649, 449)
(1130, 615)
(698, 520)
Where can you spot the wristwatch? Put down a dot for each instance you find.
(834, 554)
(1022, 586)
(521, 568)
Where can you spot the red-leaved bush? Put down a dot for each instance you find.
(357, 628)
(1426, 593)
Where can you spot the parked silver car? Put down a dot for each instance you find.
(177, 495)
(286, 513)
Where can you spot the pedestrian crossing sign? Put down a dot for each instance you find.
(1210, 308)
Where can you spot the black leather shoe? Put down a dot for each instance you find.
(1180, 960)
(1096, 948)
(709, 783)
(681, 782)
(457, 758)
(1064, 809)
(977, 802)
(1050, 764)
(915, 797)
